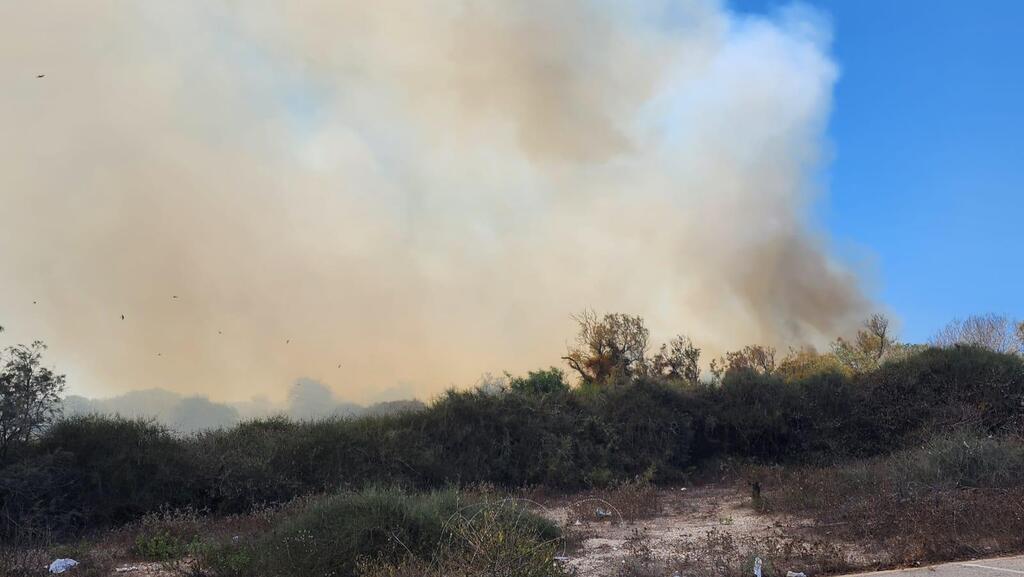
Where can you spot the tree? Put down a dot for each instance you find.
(756, 358)
(29, 395)
(806, 362)
(869, 347)
(678, 360)
(544, 382)
(607, 348)
(990, 331)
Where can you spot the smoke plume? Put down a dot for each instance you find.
(398, 196)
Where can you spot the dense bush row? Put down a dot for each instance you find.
(90, 472)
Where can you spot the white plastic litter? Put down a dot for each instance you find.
(603, 513)
(757, 566)
(62, 565)
(795, 574)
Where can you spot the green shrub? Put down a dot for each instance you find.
(165, 535)
(754, 414)
(545, 382)
(126, 467)
(158, 547)
(648, 430)
(34, 505)
(381, 528)
(940, 388)
(506, 439)
(94, 472)
(497, 538)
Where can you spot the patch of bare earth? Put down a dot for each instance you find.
(148, 569)
(707, 530)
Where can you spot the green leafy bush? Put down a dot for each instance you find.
(378, 529)
(545, 382)
(158, 547)
(165, 535)
(941, 388)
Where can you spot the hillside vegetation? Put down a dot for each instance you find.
(870, 410)
(88, 472)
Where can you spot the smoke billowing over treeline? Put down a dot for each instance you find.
(307, 400)
(404, 192)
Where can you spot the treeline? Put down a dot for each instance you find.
(631, 415)
(307, 399)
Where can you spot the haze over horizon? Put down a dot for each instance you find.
(398, 198)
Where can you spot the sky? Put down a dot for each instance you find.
(926, 182)
(394, 198)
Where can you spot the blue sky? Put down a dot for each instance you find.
(928, 169)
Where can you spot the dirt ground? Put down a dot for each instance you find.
(599, 546)
(143, 570)
(685, 514)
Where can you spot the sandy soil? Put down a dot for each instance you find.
(598, 547)
(686, 513)
(142, 570)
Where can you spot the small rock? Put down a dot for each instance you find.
(62, 565)
(795, 574)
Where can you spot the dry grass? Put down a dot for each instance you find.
(627, 502)
(956, 497)
(640, 559)
(170, 537)
(32, 562)
(721, 554)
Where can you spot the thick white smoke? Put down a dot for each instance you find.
(400, 195)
